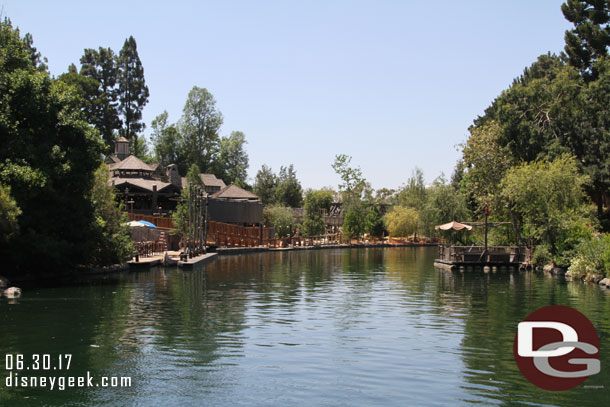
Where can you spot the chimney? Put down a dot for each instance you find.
(174, 175)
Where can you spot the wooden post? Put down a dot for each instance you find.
(486, 215)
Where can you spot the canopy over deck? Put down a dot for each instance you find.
(453, 225)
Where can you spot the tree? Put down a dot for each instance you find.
(199, 127)
(315, 203)
(401, 221)
(193, 176)
(112, 244)
(443, 204)
(357, 196)
(48, 158)
(588, 41)
(485, 162)
(100, 66)
(9, 212)
(133, 92)
(265, 184)
(374, 221)
(413, 193)
(353, 183)
(548, 199)
(232, 160)
(282, 219)
(288, 191)
(166, 141)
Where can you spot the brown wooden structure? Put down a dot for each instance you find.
(481, 256)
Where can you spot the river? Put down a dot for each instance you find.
(352, 327)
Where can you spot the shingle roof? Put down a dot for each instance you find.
(210, 180)
(146, 184)
(122, 139)
(234, 192)
(131, 163)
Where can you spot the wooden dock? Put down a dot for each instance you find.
(481, 256)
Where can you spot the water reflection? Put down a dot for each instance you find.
(336, 327)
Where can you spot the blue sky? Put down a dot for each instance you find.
(394, 84)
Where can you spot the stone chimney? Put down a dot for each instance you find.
(173, 175)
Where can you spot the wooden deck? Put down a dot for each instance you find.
(498, 256)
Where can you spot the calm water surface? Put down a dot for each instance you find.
(360, 327)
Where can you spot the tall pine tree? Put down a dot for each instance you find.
(133, 92)
(101, 66)
(590, 38)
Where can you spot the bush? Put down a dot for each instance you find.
(541, 256)
(282, 219)
(592, 258)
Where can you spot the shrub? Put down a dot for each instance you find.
(592, 258)
(541, 256)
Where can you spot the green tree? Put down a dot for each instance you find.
(133, 93)
(112, 243)
(48, 158)
(413, 193)
(485, 162)
(443, 204)
(282, 219)
(357, 197)
(166, 140)
(353, 184)
(199, 127)
(548, 200)
(9, 212)
(232, 162)
(374, 221)
(588, 41)
(316, 201)
(401, 221)
(265, 184)
(101, 66)
(288, 191)
(193, 176)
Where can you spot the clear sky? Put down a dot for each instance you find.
(394, 84)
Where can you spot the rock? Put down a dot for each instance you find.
(548, 268)
(4, 282)
(558, 271)
(606, 282)
(12, 292)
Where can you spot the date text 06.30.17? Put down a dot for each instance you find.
(36, 361)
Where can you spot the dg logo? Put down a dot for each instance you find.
(556, 348)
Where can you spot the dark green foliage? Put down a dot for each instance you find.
(133, 93)
(315, 203)
(99, 66)
(165, 140)
(288, 191)
(547, 198)
(232, 162)
(111, 241)
(9, 212)
(265, 184)
(282, 219)
(48, 158)
(193, 176)
(374, 221)
(588, 41)
(199, 127)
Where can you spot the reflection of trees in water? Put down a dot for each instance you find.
(492, 305)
